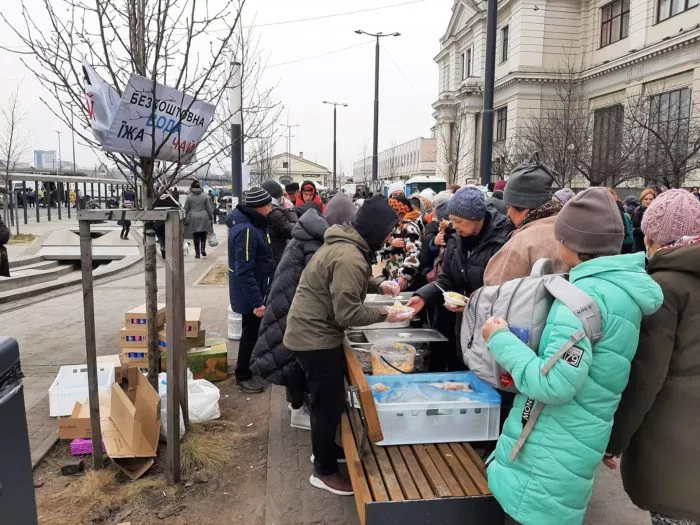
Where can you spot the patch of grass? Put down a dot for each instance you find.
(217, 275)
(97, 493)
(208, 446)
(22, 238)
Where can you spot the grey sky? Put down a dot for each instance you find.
(408, 78)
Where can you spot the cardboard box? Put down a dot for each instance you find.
(190, 342)
(130, 433)
(136, 318)
(131, 358)
(133, 338)
(193, 322)
(77, 425)
(209, 362)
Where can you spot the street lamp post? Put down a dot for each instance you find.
(375, 144)
(236, 109)
(489, 83)
(335, 128)
(289, 147)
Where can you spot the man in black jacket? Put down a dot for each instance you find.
(479, 232)
(281, 220)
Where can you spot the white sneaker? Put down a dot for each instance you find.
(335, 483)
(301, 418)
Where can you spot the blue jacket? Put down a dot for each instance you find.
(250, 261)
(551, 479)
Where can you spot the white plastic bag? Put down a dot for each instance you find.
(235, 325)
(162, 392)
(203, 400)
(213, 240)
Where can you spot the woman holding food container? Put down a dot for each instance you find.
(479, 232)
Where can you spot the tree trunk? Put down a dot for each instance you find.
(151, 276)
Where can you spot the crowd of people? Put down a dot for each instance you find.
(299, 271)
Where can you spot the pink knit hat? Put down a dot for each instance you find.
(672, 215)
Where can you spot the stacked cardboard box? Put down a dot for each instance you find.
(133, 338)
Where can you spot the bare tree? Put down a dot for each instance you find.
(457, 148)
(366, 170)
(183, 44)
(599, 147)
(507, 154)
(391, 165)
(667, 123)
(14, 144)
(260, 111)
(260, 152)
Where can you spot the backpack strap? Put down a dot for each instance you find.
(581, 304)
(542, 267)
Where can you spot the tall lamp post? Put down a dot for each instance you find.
(375, 143)
(289, 146)
(335, 129)
(236, 110)
(489, 83)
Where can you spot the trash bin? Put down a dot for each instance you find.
(17, 502)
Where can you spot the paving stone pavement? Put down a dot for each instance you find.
(291, 500)
(51, 334)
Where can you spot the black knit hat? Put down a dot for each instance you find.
(374, 221)
(273, 187)
(256, 197)
(293, 187)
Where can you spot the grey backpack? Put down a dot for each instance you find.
(525, 303)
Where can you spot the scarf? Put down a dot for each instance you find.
(412, 216)
(548, 209)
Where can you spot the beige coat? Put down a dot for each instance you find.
(515, 260)
(331, 292)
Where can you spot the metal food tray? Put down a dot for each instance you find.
(404, 335)
(375, 299)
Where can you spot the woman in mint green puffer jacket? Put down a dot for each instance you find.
(551, 479)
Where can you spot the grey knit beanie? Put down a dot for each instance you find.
(590, 223)
(340, 209)
(440, 203)
(274, 188)
(468, 203)
(529, 185)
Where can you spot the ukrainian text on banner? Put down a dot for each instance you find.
(153, 120)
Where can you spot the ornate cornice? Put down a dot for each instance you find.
(601, 70)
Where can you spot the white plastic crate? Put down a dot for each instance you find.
(71, 387)
(476, 418)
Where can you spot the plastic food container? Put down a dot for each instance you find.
(393, 359)
(455, 299)
(436, 408)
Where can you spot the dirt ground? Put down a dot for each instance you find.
(229, 487)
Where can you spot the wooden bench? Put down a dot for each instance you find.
(410, 484)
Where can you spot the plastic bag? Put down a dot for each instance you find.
(203, 399)
(213, 240)
(162, 392)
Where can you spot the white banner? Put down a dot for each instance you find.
(149, 121)
(102, 102)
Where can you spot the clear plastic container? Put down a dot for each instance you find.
(393, 359)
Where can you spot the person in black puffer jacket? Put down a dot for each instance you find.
(478, 232)
(271, 359)
(281, 220)
(4, 261)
